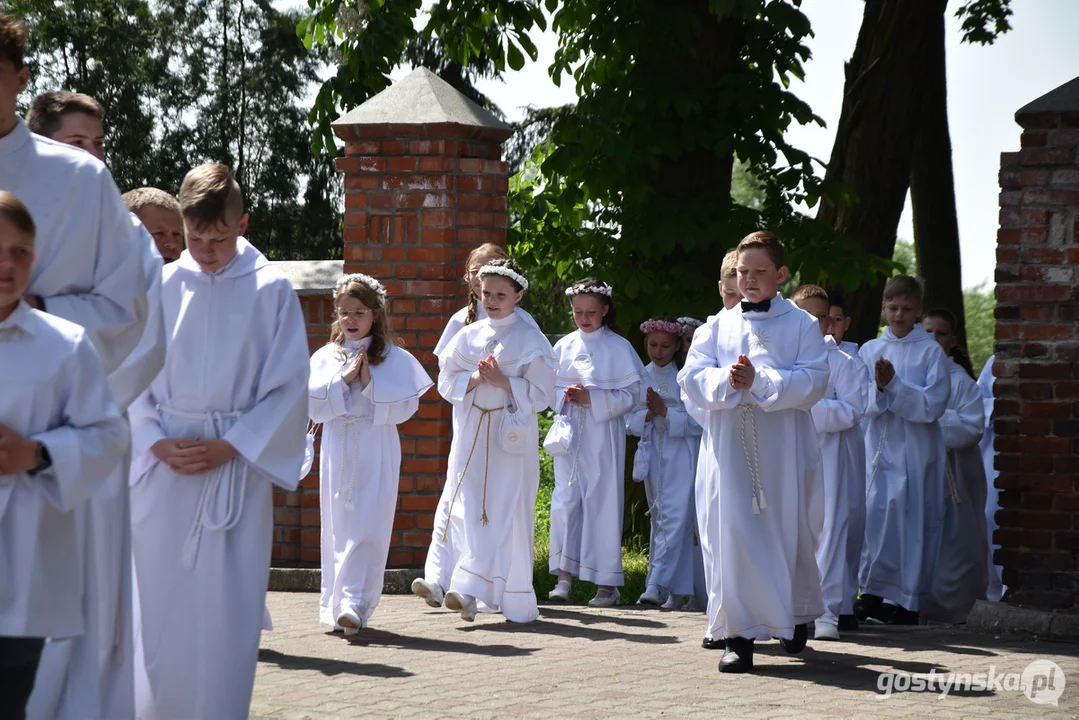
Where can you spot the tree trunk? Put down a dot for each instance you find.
(932, 191)
(877, 131)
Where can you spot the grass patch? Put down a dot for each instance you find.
(634, 551)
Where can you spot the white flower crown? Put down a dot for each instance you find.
(690, 322)
(603, 289)
(505, 272)
(367, 280)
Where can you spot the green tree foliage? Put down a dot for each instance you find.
(634, 182)
(187, 82)
(979, 303)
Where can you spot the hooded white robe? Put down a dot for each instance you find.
(905, 485)
(589, 491)
(496, 488)
(237, 369)
(359, 469)
(675, 441)
(92, 676)
(992, 503)
(760, 502)
(446, 536)
(962, 570)
(842, 450)
(55, 392)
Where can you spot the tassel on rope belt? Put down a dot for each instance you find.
(754, 463)
(953, 488)
(875, 464)
(351, 431)
(485, 414)
(657, 507)
(213, 423)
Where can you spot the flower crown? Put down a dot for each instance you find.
(505, 272)
(689, 325)
(603, 289)
(367, 280)
(654, 325)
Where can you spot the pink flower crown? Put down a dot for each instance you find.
(668, 326)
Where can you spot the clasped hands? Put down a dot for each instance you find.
(578, 395)
(883, 372)
(193, 456)
(743, 374)
(654, 402)
(488, 371)
(360, 369)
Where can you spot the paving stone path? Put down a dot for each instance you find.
(576, 662)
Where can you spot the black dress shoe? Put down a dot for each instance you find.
(739, 656)
(902, 616)
(797, 643)
(848, 623)
(710, 644)
(865, 606)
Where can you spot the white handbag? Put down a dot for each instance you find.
(559, 440)
(309, 450)
(642, 459)
(513, 432)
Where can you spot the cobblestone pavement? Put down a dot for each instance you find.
(576, 662)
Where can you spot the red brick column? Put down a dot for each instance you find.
(418, 199)
(1037, 356)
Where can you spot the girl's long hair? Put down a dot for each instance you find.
(381, 332)
(610, 320)
(495, 252)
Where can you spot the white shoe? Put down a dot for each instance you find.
(429, 591)
(464, 604)
(605, 601)
(652, 595)
(674, 602)
(350, 621)
(560, 592)
(825, 630)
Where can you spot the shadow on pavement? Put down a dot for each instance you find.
(382, 638)
(552, 626)
(956, 639)
(329, 667)
(592, 618)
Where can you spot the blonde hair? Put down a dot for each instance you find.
(47, 111)
(496, 252)
(810, 292)
(145, 197)
(12, 208)
(767, 241)
(381, 332)
(210, 196)
(730, 265)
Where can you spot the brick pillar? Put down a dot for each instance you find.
(1037, 355)
(424, 185)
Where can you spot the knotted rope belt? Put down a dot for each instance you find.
(485, 414)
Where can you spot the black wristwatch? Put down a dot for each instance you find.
(44, 460)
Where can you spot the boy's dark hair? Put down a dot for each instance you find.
(210, 196)
(946, 314)
(16, 213)
(807, 292)
(836, 299)
(12, 40)
(764, 240)
(47, 111)
(611, 318)
(903, 286)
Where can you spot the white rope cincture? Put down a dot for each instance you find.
(880, 451)
(754, 463)
(578, 431)
(953, 488)
(351, 431)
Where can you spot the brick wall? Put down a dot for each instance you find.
(1037, 359)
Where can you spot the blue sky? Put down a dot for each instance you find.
(986, 86)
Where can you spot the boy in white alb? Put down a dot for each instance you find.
(759, 369)
(836, 418)
(224, 420)
(962, 573)
(904, 447)
(93, 675)
(60, 437)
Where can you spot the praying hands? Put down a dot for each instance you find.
(654, 402)
(884, 371)
(742, 374)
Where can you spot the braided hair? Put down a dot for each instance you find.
(491, 252)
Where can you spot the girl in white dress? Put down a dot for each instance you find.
(498, 374)
(446, 536)
(599, 376)
(362, 387)
(667, 457)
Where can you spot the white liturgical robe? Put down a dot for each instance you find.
(237, 369)
(760, 504)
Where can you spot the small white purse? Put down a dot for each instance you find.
(642, 459)
(309, 449)
(559, 440)
(513, 432)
